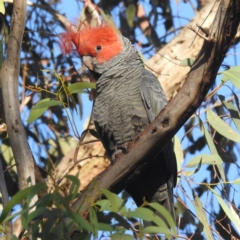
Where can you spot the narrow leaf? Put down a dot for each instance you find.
(148, 215)
(211, 146)
(221, 127)
(232, 110)
(94, 221)
(213, 159)
(114, 199)
(17, 199)
(130, 14)
(165, 214)
(202, 217)
(157, 230)
(188, 173)
(46, 104)
(208, 137)
(40, 108)
(233, 74)
(121, 236)
(236, 181)
(178, 152)
(2, 8)
(226, 209)
(78, 87)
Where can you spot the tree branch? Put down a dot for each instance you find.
(198, 81)
(9, 75)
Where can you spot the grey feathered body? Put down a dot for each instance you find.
(128, 99)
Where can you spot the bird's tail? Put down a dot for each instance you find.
(164, 196)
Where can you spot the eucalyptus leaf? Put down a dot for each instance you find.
(233, 74)
(226, 209)
(213, 159)
(2, 8)
(114, 199)
(221, 127)
(201, 214)
(80, 86)
(40, 108)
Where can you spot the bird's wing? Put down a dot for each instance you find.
(154, 101)
(152, 93)
(103, 140)
(156, 182)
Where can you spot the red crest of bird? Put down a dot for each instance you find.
(87, 41)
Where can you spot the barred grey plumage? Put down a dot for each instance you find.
(128, 99)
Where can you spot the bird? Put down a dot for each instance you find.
(128, 98)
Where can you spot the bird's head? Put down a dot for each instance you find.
(95, 45)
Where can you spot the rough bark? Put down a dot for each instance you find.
(9, 75)
(166, 61)
(198, 81)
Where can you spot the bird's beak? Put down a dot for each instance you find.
(88, 62)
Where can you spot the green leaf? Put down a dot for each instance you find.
(80, 221)
(206, 134)
(232, 110)
(17, 199)
(36, 188)
(221, 171)
(213, 159)
(157, 230)
(104, 204)
(236, 181)
(46, 104)
(130, 14)
(35, 214)
(147, 215)
(142, 213)
(178, 152)
(198, 167)
(93, 221)
(12, 216)
(40, 108)
(78, 87)
(188, 173)
(2, 8)
(14, 237)
(221, 127)
(121, 236)
(75, 186)
(226, 209)
(165, 214)
(187, 62)
(233, 74)
(114, 199)
(105, 227)
(202, 217)
(211, 146)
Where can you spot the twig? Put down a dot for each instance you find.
(4, 193)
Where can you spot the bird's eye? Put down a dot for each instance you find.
(99, 48)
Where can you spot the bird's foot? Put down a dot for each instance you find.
(115, 154)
